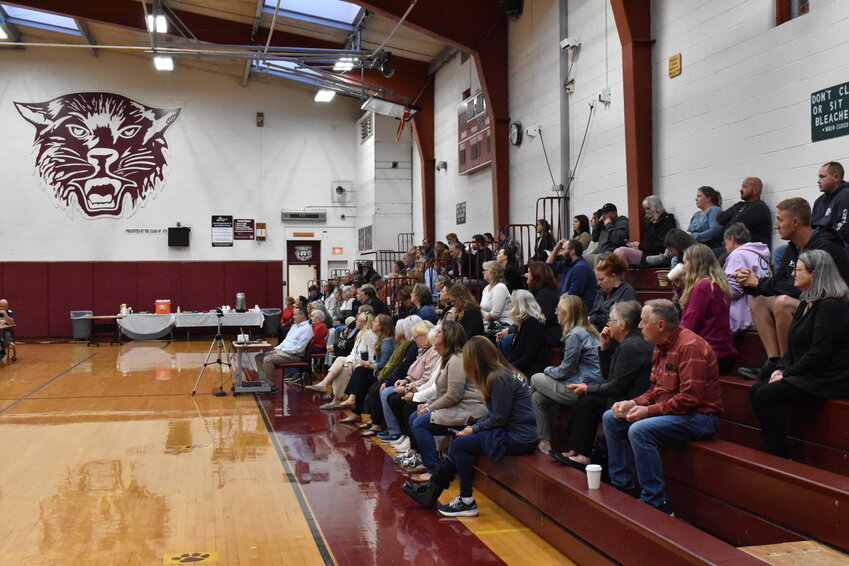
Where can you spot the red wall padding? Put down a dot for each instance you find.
(158, 280)
(43, 294)
(247, 278)
(25, 287)
(115, 283)
(69, 288)
(203, 285)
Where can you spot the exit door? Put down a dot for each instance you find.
(302, 266)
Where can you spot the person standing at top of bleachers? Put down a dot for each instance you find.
(831, 209)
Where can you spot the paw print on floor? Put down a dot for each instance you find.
(193, 557)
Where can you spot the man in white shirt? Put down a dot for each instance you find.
(291, 349)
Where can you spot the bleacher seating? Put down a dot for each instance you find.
(726, 492)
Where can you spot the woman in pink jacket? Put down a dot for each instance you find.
(705, 304)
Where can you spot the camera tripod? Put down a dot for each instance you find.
(221, 348)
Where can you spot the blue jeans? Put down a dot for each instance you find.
(633, 448)
(392, 425)
(424, 431)
(465, 449)
(506, 345)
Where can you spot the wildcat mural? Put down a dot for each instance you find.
(99, 152)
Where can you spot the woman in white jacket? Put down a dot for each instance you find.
(495, 296)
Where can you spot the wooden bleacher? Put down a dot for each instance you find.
(726, 492)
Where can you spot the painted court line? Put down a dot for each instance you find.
(45, 384)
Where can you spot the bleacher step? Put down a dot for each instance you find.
(591, 526)
(794, 496)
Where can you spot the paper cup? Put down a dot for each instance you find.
(593, 476)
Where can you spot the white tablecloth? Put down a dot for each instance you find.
(249, 318)
(146, 326)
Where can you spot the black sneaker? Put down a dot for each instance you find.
(666, 507)
(459, 509)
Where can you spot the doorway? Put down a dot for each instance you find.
(303, 265)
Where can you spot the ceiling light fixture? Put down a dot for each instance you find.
(344, 64)
(325, 95)
(163, 63)
(383, 62)
(159, 23)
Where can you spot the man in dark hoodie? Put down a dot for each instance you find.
(831, 209)
(775, 299)
(613, 233)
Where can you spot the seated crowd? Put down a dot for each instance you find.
(447, 377)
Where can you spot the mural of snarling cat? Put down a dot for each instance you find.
(100, 152)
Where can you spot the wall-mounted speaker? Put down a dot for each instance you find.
(179, 237)
(512, 8)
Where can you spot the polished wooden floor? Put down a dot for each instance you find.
(109, 459)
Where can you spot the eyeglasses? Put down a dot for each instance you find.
(795, 269)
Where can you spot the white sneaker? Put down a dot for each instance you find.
(400, 441)
(403, 447)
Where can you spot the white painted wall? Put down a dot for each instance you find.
(600, 173)
(741, 106)
(474, 189)
(220, 162)
(534, 100)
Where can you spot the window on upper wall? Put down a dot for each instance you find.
(37, 19)
(786, 10)
(331, 13)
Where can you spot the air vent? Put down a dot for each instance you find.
(309, 216)
(365, 242)
(366, 127)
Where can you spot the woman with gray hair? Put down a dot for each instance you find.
(626, 370)
(651, 247)
(528, 352)
(816, 364)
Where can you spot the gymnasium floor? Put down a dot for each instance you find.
(109, 459)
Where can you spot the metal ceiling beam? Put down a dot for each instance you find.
(87, 35)
(129, 14)
(11, 29)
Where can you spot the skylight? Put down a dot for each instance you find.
(288, 70)
(328, 12)
(43, 20)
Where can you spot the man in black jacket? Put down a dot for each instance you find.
(831, 209)
(775, 299)
(751, 211)
(613, 233)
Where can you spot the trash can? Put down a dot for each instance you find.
(81, 325)
(271, 321)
